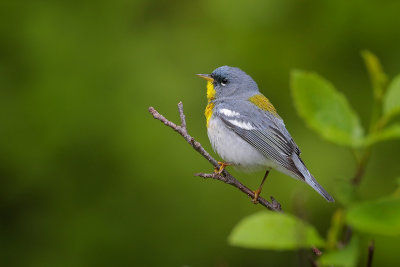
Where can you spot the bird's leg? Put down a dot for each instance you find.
(258, 191)
(222, 166)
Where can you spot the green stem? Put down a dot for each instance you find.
(376, 114)
(361, 167)
(376, 124)
(383, 121)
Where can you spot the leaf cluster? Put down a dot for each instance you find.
(328, 112)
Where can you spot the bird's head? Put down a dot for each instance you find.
(228, 82)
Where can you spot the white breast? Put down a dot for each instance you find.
(233, 149)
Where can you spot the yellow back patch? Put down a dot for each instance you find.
(263, 103)
(209, 111)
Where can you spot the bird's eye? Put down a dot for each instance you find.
(224, 81)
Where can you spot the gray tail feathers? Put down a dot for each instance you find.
(309, 179)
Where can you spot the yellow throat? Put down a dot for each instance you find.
(210, 96)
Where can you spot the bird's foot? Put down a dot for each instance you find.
(256, 195)
(221, 168)
(258, 191)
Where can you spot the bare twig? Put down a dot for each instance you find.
(226, 177)
(182, 115)
(371, 249)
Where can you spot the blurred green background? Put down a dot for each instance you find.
(88, 178)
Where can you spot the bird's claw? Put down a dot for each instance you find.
(221, 168)
(256, 195)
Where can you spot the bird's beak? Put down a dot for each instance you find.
(206, 77)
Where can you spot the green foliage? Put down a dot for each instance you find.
(345, 257)
(328, 113)
(375, 70)
(277, 231)
(325, 110)
(391, 103)
(88, 178)
(390, 132)
(376, 217)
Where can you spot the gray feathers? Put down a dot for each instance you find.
(233, 82)
(309, 179)
(246, 135)
(269, 136)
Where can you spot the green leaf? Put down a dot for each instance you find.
(390, 132)
(325, 110)
(376, 217)
(376, 74)
(345, 257)
(391, 101)
(277, 231)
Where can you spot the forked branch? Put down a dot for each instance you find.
(226, 177)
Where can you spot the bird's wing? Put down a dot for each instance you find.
(264, 131)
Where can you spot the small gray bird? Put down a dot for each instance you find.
(247, 132)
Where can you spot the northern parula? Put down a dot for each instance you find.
(247, 132)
